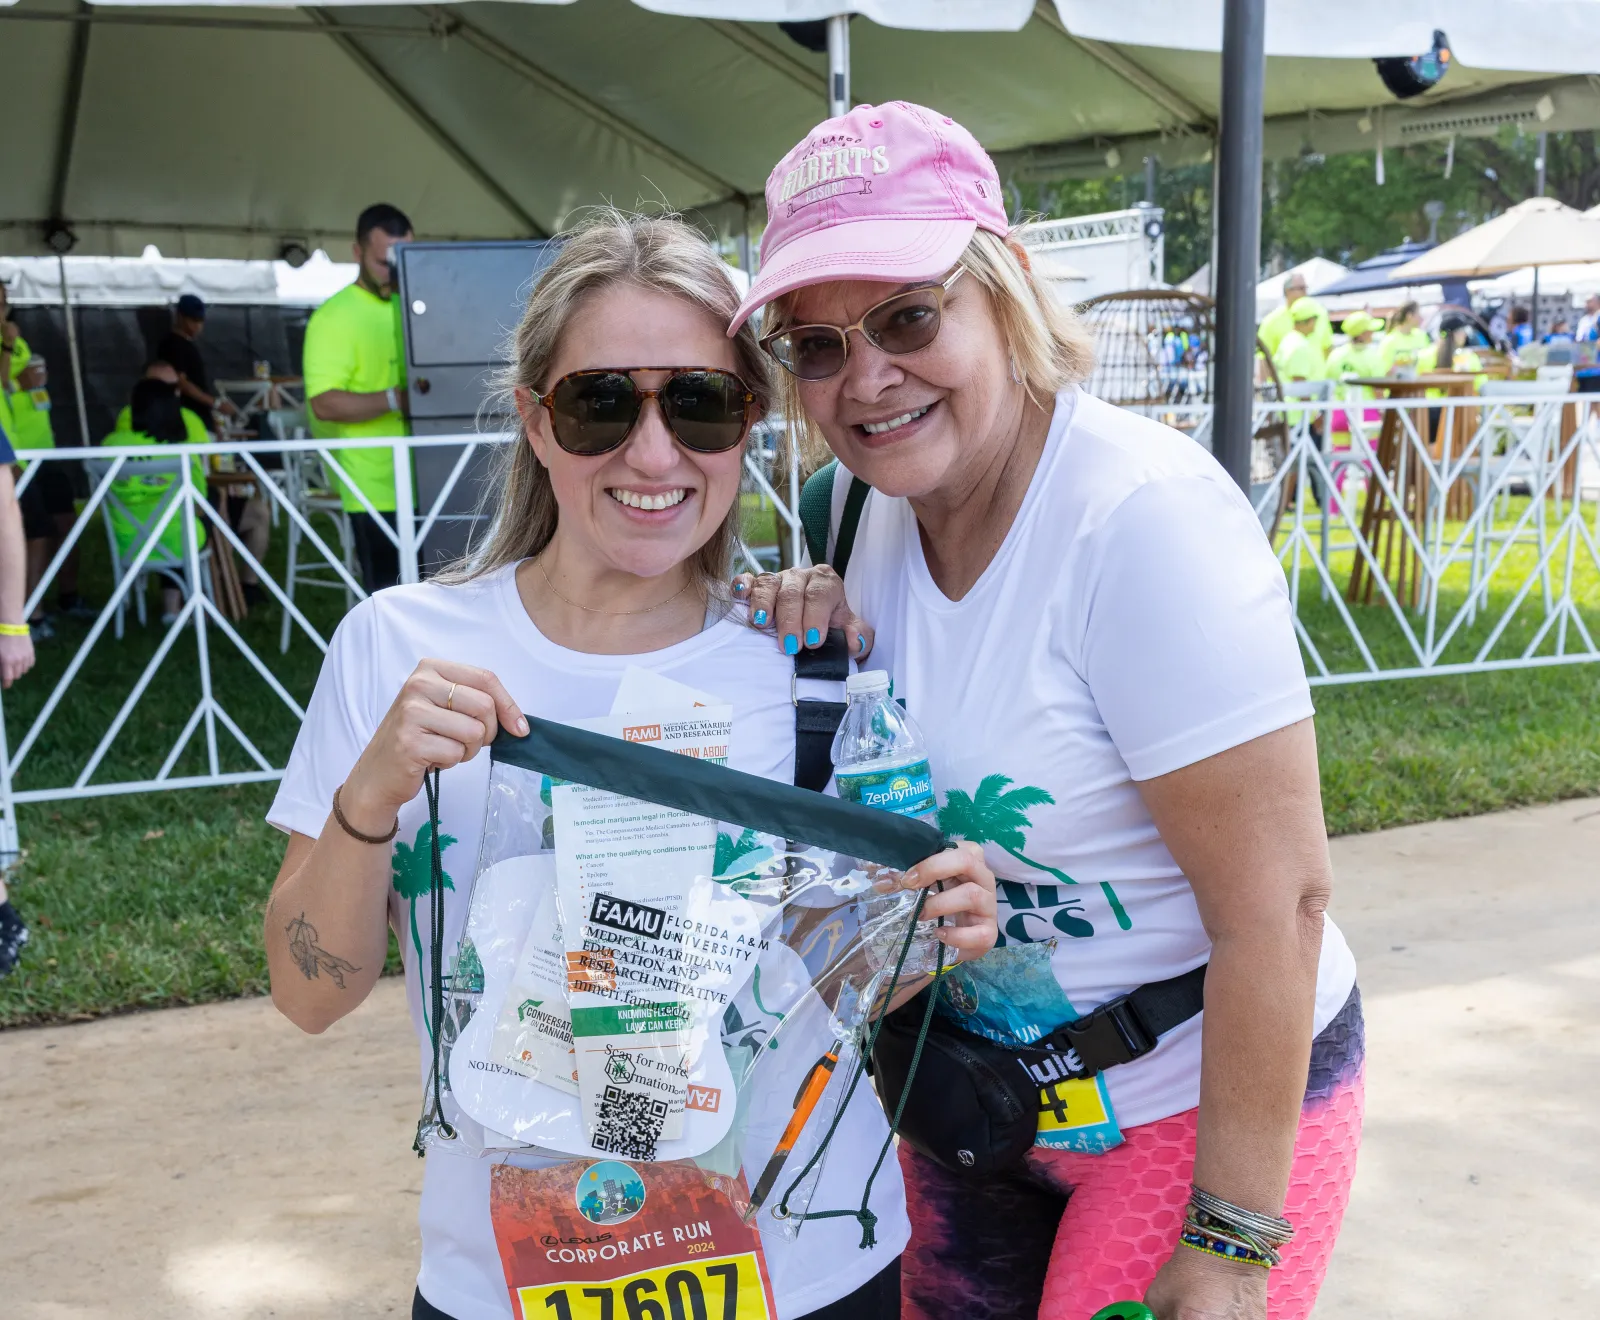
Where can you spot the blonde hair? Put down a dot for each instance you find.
(1049, 346)
(661, 254)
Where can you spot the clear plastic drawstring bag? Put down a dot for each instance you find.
(668, 964)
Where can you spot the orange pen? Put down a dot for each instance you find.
(805, 1105)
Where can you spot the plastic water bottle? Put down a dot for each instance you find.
(880, 761)
(879, 757)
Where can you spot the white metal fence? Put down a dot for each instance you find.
(1460, 537)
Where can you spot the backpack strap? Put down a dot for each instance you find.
(816, 510)
(816, 516)
(849, 521)
(815, 722)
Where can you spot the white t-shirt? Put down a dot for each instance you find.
(1133, 621)
(484, 623)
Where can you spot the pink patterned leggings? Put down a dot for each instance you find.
(1070, 1233)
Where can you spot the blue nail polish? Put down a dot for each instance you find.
(861, 643)
(791, 644)
(812, 637)
(761, 617)
(739, 588)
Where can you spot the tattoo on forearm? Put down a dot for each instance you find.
(310, 957)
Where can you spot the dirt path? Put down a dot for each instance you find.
(213, 1162)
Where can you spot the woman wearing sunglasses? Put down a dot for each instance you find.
(1080, 610)
(617, 513)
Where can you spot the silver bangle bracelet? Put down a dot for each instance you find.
(1264, 1234)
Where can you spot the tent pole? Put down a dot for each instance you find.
(1533, 314)
(72, 350)
(1238, 212)
(838, 65)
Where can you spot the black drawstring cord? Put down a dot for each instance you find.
(864, 1216)
(430, 783)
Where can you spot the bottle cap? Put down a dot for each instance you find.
(868, 680)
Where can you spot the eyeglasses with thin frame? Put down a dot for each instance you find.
(899, 324)
(592, 412)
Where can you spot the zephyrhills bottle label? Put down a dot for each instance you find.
(905, 789)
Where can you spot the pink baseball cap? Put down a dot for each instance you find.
(889, 192)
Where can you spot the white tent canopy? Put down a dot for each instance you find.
(1574, 282)
(151, 280)
(231, 130)
(1319, 272)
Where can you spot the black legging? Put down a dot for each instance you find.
(377, 557)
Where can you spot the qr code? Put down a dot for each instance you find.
(630, 1123)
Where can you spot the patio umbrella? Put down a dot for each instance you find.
(1538, 232)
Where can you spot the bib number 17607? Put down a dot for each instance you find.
(725, 1289)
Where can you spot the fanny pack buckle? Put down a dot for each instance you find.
(1112, 1034)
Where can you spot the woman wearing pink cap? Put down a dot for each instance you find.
(1080, 610)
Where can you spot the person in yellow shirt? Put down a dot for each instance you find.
(1298, 358)
(14, 351)
(355, 385)
(153, 416)
(1278, 323)
(1405, 343)
(1299, 355)
(1357, 356)
(48, 509)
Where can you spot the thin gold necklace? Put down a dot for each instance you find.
(577, 605)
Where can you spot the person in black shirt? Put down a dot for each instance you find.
(180, 349)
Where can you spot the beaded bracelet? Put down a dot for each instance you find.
(1200, 1240)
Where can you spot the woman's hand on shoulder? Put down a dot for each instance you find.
(967, 900)
(444, 714)
(800, 605)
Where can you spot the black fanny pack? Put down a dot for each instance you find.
(973, 1104)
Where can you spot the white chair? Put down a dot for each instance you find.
(1530, 443)
(162, 562)
(306, 487)
(1320, 393)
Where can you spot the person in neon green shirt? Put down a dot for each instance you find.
(1358, 355)
(355, 385)
(48, 510)
(14, 351)
(154, 416)
(1298, 358)
(1406, 341)
(1280, 322)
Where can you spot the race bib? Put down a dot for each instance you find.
(1076, 1114)
(603, 1240)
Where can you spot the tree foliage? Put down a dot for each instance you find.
(1334, 207)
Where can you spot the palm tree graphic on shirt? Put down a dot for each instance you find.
(413, 879)
(998, 814)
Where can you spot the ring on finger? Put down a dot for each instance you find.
(450, 697)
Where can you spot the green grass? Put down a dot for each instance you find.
(155, 899)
